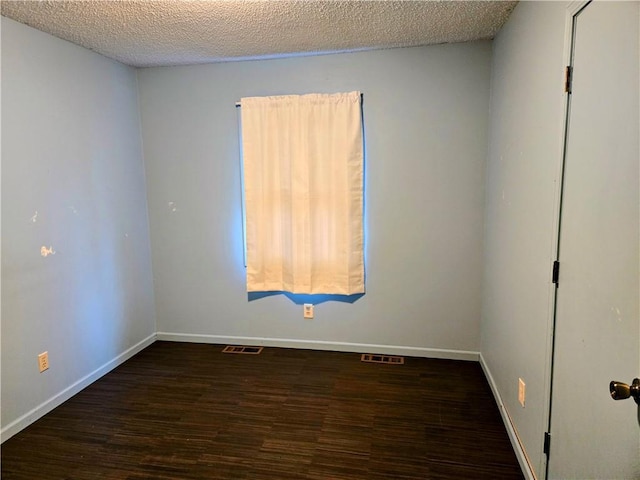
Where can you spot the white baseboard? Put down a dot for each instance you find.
(58, 399)
(518, 448)
(322, 345)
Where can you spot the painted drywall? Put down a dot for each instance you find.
(425, 116)
(525, 142)
(76, 266)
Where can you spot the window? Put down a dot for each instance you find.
(303, 166)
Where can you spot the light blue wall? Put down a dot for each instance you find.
(525, 145)
(73, 180)
(71, 151)
(426, 116)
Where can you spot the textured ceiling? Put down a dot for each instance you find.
(146, 33)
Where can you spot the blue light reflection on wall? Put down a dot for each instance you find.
(365, 222)
(237, 230)
(302, 298)
(242, 199)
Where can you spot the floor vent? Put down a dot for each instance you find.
(391, 359)
(242, 349)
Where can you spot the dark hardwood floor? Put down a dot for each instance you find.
(188, 411)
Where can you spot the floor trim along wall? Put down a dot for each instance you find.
(322, 345)
(511, 431)
(58, 399)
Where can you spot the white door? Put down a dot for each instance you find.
(597, 328)
(597, 332)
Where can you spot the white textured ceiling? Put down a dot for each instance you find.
(147, 33)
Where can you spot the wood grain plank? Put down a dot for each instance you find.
(187, 411)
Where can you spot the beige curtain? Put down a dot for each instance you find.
(303, 180)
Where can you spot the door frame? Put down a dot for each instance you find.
(572, 10)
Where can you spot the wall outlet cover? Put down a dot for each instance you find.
(308, 310)
(43, 361)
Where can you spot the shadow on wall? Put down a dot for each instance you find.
(300, 299)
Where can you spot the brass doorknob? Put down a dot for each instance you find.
(621, 391)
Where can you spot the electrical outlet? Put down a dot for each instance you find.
(308, 310)
(43, 361)
(521, 391)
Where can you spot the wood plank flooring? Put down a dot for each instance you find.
(188, 411)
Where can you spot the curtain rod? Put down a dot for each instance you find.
(238, 104)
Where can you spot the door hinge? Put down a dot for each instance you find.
(547, 443)
(556, 272)
(568, 78)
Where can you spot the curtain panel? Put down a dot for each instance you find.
(303, 180)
